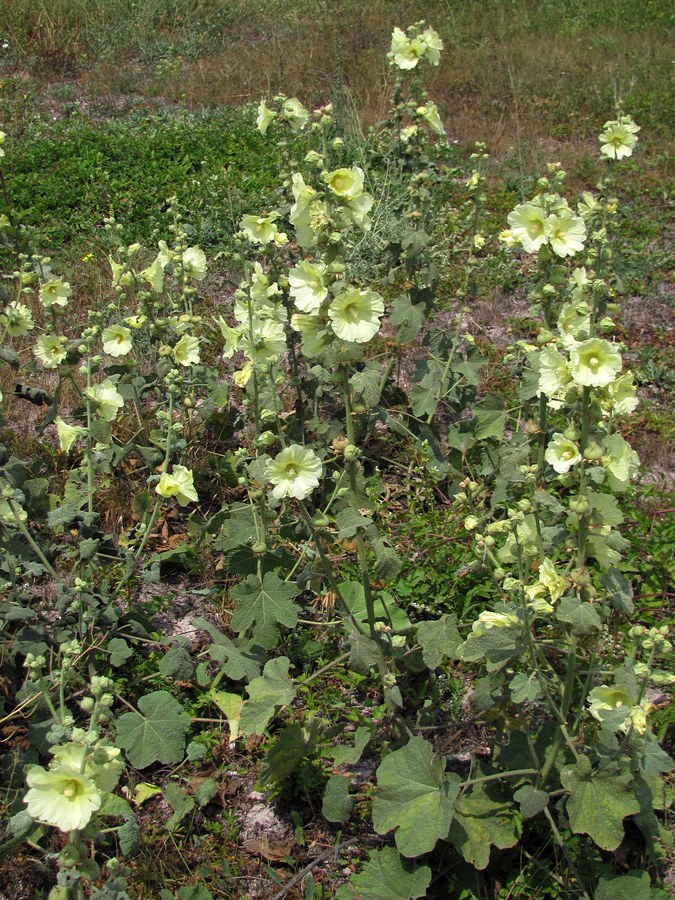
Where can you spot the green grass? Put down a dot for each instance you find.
(67, 177)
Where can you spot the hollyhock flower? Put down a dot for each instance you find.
(194, 263)
(429, 112)
(261, 289)
(566, 233)
(154, 275)
(588, 206)
(554, 374)
(314, 335)
(231, 337)
(107, 400)
(574, 322)
(265, 117)
(345, 183)
(432, 46)
(618, 139)
(357, 210)
(607, 699)
(594, 363)
(116, 340)
(527, 223)
(264, 341)
(259, 229)
(562, 454)
(186, 351)
(408, 132)
(295, 472)
(623, 395)
(355, 315)
(179, 484)
(405, 52)
(103, 765)
(555, 584)
(303, 212)
(50, 349)
(620, 461)
(488, 619)
(55, 293)
(67, 434)
(307, 287)
(296, 114)
(62, 797)
(17, 319)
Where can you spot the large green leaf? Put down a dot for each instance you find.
(236, 660)
(439, 640)
(531, 800)
(409, 316)
(273, 689)
(483, 818)
(363, 652)
(580, 615)
(620, 590)
(384, 878)
(343, 754)
(385, 609)
(287, 752)
(156, 733)
(630, 886)
(337, 802)
(525, 687)
(367, 383)
(264, 605)
(415, 797)
(599, 801)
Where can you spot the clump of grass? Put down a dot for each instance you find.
(71, 176)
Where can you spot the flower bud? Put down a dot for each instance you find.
(471, 523)
(579, 505)
(593, 451)
(351, 452)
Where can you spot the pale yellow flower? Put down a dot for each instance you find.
(62, 797)
(55, 293)
(50, 349)
(116, 340)
(355, 315)
(179, 484)
(295, 472)
(264, 118)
